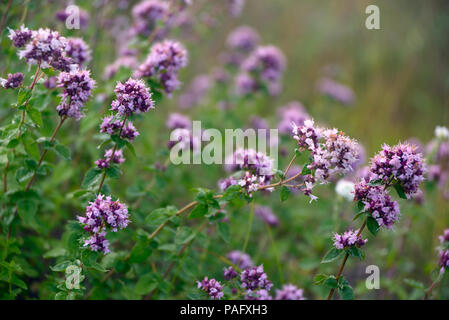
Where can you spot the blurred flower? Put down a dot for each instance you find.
(163, 63)
(13, 81)
(295, 112)
(147, 14)
(195, 92)
(128, 61)
(177, 120)
(243, 38)
(266, 214)
(261, 294)
(63, 14)
(348, 239)
(50, 82)
(445, 237)
(240, 259)
(441, 132)
(235, 7)
(289, 292)
(255, 278)
(337, 91)
(77, 85)
(345, 189)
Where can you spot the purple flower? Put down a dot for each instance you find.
(348, 239)
(129, 132)
(445, 237)
(245, 84)
(20, 37)
(77, 85)
(223, 184)
(102, 163)
(132, 97)
(378, 203)
(163, 63)
(196, 92)
(261, 294)
(235, 7)
(125, 61)
(184, 139)
(50, 82)
(240, 259)
(293, 112)
(147, 14)
(243, 38)
(63, 14)
(78, 50)
(266, 214)
(289, 292)
(337, 91)
(98, 242)
(115, 157)
(444, 260)
(266, 62)
(401, 163)
(47, 48)
(14, 81)
(212, 287)
(177, 120)
(255, 278)
(249, 159)
(230, 273)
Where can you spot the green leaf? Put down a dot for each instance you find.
(356, 252)
(199, 211)
(130, 147)
(358, 215)
(415, 284)
(224, 231)
(12, 143)
(35, 116)
(146, 284)
(91, 177)
(23, 95)
(141, 251)
(285, 193)
(63, 151)
(331, 255)
(160, 215)
(184, 235)
(372, 225)
(305, 170)
(27, 209)
(400, 191)
(319, 279)
(61, 266)
(346, 292)
(375, 183)
(113, 172)
(331, 282)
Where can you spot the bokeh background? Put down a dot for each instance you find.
(400, 79)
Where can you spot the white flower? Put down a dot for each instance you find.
(345, 189)
(441, 132)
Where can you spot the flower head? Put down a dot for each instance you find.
(336, 91)
(242, 260)
(20, 37)
(255, 278)
(401, 163)
(212, 287)
(266, 214)
(293, 112)
(289, 292)
(243, 38)
(14, 81)
(77, 85)
(177, 120)
(78, 50)
(132, 97)
(348, 239)
(230, 273)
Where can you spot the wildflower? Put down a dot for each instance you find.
(112, 126)
(177, 120)
(401, 163)
(212, 287)
(50, 82)
(243, 38)
(345, 189)
(98, 242)
(261, 294)
(378, 203)
(293, 112)
(163, 63)
(196, 92)
(47, 48)
(235, 7)
(20, 37)
(77, 85)
(78, 50)
(445, 237)
(129, 131)
(124, 61)
(13, 81)
(147, 14)
(63, 15)
(348, 239)
(245, 84)
(444, 260)
(267, 62)
(230, 273)
(223, 184)
(266, 214)
(441, 132)
(249, 159)
(255, 278)
(289, 292)
(242, 260)
(132, 97)
(184, 139)
(337, 91)
(307, 135)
